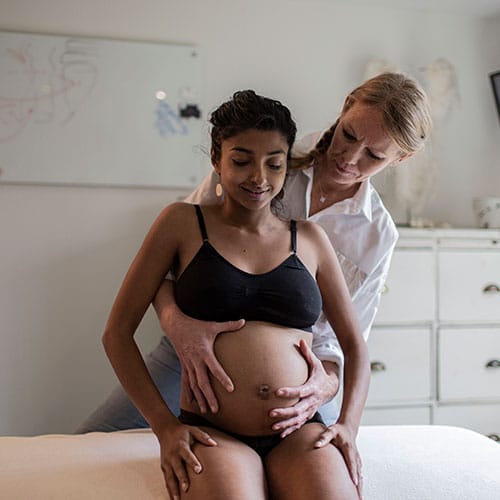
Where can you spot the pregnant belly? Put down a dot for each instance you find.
(260, 358)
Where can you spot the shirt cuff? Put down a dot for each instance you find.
(329, 352)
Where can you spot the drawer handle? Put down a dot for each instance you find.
(495, 437)
(377, 366)
(491, 289)
(494, 363)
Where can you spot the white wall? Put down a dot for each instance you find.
(64, 250)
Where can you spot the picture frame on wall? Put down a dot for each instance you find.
(495, 82)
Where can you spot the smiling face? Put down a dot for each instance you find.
(360, 147)
(253, 167)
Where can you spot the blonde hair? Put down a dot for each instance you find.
(405, 111)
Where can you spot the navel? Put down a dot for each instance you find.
(264, 391)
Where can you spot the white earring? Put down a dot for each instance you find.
(218, 189)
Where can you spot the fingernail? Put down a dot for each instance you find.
(274, 414)
(184, 486)
(197, 469)
(281, 392)
(212, 441)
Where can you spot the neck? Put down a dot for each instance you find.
(251, 220)
(328, 192)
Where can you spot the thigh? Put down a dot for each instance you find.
(297, 470)
(117, 412)
(231, 471)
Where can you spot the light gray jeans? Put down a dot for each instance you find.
(117, 412)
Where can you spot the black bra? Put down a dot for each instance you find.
(213, 289)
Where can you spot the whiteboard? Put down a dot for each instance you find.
(78, 110)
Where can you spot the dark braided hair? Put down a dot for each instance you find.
(247, 110)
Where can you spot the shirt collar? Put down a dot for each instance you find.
(360, 203)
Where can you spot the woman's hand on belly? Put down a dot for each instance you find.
(321, 386)
(260, 358)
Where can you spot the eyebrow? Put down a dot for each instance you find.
(250, 152)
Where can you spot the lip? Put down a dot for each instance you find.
(345, 171)
(255, 194)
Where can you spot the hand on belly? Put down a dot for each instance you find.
(260, 358)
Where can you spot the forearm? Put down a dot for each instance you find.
(165, 305)
(332, 370)
(132, 373)
(356, 383)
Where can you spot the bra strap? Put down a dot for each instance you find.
(201, 223)
(293, 232)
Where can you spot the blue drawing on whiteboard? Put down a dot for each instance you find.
(168, 122)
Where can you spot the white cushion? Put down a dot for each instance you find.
(400, 463)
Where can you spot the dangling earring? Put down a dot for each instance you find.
(218, 189)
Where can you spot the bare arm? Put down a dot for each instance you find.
(136, 293)
(193, 341)
(338, 309)
(323, 385)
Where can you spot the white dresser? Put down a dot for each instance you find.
(435, 344)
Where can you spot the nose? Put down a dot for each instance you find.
(352, 153)
(257, 174)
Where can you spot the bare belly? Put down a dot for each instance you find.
(259, 358)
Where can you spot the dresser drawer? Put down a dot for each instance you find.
(401, 365)
(409, 292)
(396, 416)
(469, 364)
(480, 418)
(469, 286)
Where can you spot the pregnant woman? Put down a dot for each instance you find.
(238, 259)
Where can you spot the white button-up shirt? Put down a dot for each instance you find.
(361, 231)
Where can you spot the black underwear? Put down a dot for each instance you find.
(262, 445)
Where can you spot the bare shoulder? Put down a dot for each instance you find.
(313, 232)
(176, 213)
(174, 221)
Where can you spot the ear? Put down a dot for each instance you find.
(404, 157)
(215, 163)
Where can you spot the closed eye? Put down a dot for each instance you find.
(240, 163)
(374, 156)
(348, 136)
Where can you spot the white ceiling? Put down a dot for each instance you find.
(477, 8)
